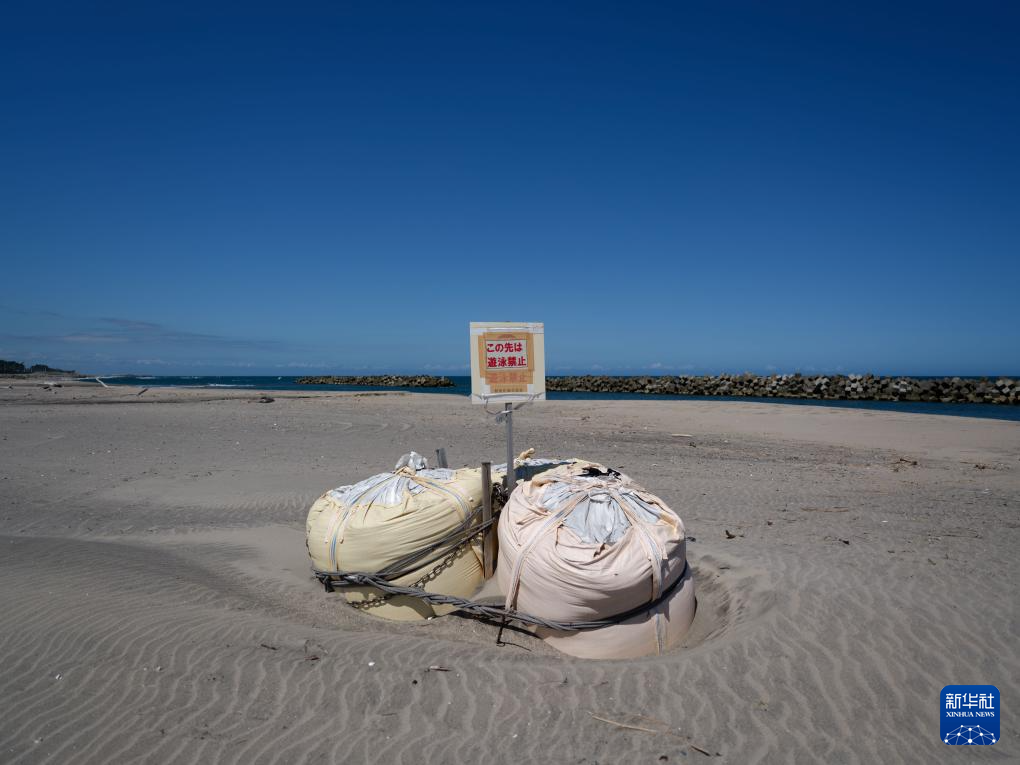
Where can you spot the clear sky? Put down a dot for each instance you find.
(194, 188)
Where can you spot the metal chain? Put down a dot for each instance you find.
(499, 500)
(430, 575)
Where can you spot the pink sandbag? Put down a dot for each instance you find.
(580, 543)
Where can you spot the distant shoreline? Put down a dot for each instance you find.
(592, 390)
(32, 376)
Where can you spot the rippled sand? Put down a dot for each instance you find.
(156, 603)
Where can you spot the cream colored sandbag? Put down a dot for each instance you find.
(579, 543)
(376, 522)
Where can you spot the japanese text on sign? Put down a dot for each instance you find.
(507, 354)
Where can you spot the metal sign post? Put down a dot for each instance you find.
(511, 470)
(507, 416)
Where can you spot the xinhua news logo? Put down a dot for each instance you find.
(970, 715)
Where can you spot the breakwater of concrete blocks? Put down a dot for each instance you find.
(998, 390)
(386, 381)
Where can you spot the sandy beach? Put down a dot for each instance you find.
(158, 605)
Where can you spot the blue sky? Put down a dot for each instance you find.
(673, 187)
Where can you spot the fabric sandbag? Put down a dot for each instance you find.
(376, 522)
(580, 543)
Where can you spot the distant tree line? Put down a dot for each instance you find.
(17, 368)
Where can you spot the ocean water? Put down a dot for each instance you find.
(462, 387)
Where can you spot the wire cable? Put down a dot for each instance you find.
(332, 579)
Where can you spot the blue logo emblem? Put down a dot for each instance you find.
(970, 714)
